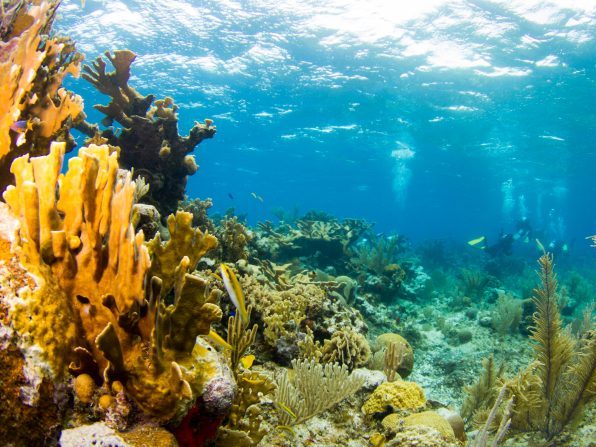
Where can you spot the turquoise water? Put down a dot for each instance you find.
(438, 119)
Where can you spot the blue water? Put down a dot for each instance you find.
(439, 119)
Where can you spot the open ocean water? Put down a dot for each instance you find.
(433, 119)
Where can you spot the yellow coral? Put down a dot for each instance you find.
(396, 395)
(84, 388)
(184, 241)
(76, 237)
(31, 74)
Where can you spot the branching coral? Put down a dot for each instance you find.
(184, 241)
(198, 208)
(77, 239)
(34, 109)
(393, 355)
(244, 426)
(149, 139)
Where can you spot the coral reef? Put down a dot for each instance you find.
(111, 286)
(149, 141)
(34, 109)
(325, 242)
(300, 305)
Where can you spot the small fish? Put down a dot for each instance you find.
(283, 407)
(208, 123)
(247, 361)
(21, 126)
(540, 246)
(256, 196)
(216, 276)
(230, 196)
(234, 291)
(477, 241)
(216, 338)
(287, 429)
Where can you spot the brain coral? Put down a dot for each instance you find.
(391, 396)
(426, 419)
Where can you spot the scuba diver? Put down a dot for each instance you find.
(523, 233)
(557, 247)
(523, 230)
(504, 245)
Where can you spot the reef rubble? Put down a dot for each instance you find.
(122, 324)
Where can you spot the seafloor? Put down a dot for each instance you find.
(130, 315)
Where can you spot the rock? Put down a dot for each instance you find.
(372, 378)
(100, 435)
(94, 435)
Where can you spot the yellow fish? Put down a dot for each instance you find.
(247, 361)
(286, 409)
(287, 429)
(216, 338)
(477, 241)
(234, 291)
